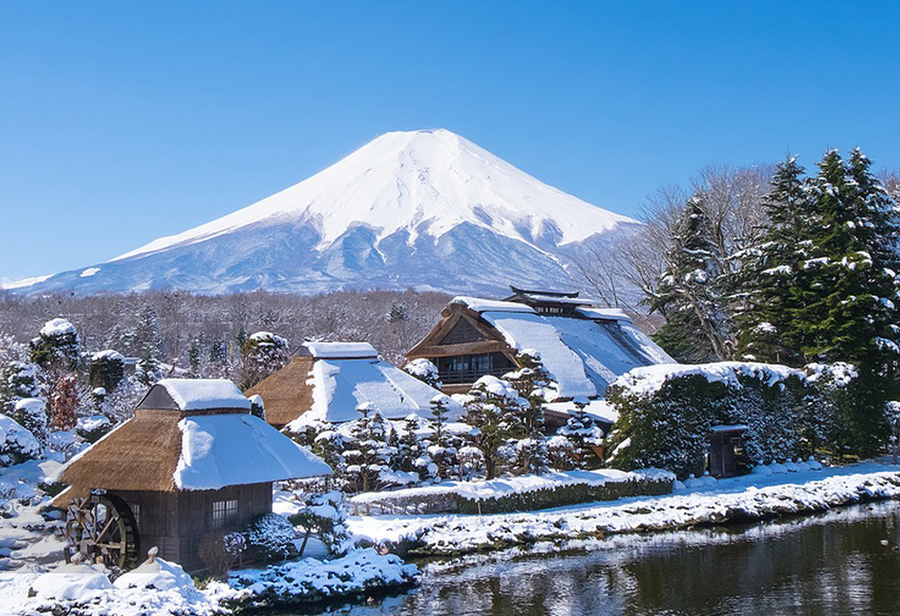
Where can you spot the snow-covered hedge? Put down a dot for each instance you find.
(666, 412)
(525, 493)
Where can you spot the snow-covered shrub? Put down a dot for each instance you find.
(424, 370)
(257, 407)
(324, 515)
(221, 551)
(370, 451)
(270, 538)
(584, 437)
(31, 414)
(666, 412)
(57, 346)
(93, 428)
(494, 409)
(16, 443)
(107, 369)
(263, 353)
(18, 380)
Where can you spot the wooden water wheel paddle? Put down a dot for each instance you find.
(102, 529)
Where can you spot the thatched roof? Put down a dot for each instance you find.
(286, 393)
(330, 381)
(165, 450)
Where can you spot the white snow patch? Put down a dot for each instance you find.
(91, 271)
(237, 449)
(204, 394)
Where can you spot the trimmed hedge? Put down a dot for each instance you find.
(543, 498)
(788, 414)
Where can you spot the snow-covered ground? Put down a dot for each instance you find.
(162, 588)
(704, 501)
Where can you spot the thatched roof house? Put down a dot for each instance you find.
(584, 347)
(192, 460)
(329, 381)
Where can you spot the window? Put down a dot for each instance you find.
(136, 512)
(224, 513)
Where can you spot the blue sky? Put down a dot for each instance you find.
(124, 121)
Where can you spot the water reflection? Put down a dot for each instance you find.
(831, 565)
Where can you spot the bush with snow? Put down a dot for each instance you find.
(17, 444)
(31, 414)
(424, 370)
(666, 412)
(325, 516)
(270, 539)
(92, 428)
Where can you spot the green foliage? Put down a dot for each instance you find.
(690, 289)
(822, 284)
(787, 415)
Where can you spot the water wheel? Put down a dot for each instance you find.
(102, 529)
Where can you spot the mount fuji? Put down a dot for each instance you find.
(428, 210)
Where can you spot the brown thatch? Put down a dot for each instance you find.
(141, 454)
(287, 393)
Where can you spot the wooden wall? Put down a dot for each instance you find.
(175, 522)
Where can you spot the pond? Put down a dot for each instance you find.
(843, 562)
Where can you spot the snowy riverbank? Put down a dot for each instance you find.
(705, 502)
(164, 589)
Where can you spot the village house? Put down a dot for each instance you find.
(329, 381)
(583, 346)
(192, 461)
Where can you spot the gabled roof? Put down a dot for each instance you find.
(585, 351)
(194, 395)
(329, 386)
(167, 450)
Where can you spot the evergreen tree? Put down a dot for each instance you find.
(31, 414)
(823, 286)
(689, 292)
(534, 384)
(493, 407)
(584, 436)
(18, 380)
(443, 447)
(263, 353)
(765, 285)
(107, 370)
(194, 359)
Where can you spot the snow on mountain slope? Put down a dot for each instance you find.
(423, 209)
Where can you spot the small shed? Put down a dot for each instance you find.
(191, 461)
(329, 381)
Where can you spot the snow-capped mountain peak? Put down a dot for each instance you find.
(426, 209)
(425, 182)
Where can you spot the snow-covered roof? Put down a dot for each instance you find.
(599, 409)
(603, 314)
(341, 386)
(164, 452)
(340, 350)
(583, 355)
(481, 305)
(194, 395)
(233, 449)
